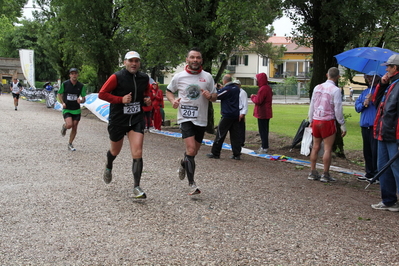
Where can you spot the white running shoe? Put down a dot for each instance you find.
(194, 190)
(70, 147)
(139, 193)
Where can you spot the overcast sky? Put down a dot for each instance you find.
(282, 26)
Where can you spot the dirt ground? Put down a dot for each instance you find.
(55, 209)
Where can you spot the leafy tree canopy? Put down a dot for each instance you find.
(330, 26)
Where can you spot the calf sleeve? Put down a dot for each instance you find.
(137, 168)
(110, 159)
(189, 165)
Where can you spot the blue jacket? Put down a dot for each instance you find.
(367, 114)
(229, 97)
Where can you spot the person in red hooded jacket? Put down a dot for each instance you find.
(263, 110)
(157, 104)
(147, 118)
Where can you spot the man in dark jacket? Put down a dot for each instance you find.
(128, 90)
(263, 110)
(229, 96)
(386, 131)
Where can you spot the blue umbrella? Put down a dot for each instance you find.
(366, 60)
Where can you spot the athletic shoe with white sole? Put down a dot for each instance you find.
(314, 175)
(70, 147)
(139, 193)
(194, 190)
(261, 151)
(327, 178)
(375, 182)
(383, 207)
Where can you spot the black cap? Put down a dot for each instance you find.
(73, 70)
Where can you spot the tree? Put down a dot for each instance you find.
(216, 27)
(85, 33)
(328, 29)
(24, 36)
(12, 9)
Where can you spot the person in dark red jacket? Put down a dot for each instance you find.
(386, 131)
(263, 110)
(127, 91)
(157, 104)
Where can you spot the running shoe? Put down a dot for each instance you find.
(383, 207)
(235, 157)
(138, 193)
(362, 178)
(375, 182)
(194, 190)
(262, 151)
(63, 130)
(181, 171)
(314, 175)
(107, 176)
(327, 178)
(70, 147)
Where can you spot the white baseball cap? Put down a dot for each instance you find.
(132, 54)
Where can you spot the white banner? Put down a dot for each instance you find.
(97, 106)
(28, 66)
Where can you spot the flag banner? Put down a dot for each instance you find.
(28, 66)
(97, 106)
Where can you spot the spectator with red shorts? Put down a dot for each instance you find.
(325, 108)
(157, 104)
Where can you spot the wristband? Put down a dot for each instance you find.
(343, 128)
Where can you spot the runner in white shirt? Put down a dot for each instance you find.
(16, 89)
(195, 89)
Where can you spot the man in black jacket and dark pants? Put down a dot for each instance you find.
(229, 96)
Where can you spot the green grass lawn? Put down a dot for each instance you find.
(286, 120)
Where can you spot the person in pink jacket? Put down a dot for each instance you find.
(263, 110)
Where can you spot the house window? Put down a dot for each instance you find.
(264, 61)
(291, 68)
(233, 60)
(246, 60)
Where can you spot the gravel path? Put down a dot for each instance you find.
(56, 210)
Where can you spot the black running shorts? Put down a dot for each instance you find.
(188, 129)
(116, 133)
(74, 117)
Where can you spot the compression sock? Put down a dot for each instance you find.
(110, 159)
(190, 168)
(137, 168)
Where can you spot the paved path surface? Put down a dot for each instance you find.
(56, 210)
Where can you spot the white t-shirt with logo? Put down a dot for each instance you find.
(193, 105)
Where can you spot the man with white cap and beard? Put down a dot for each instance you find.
(127, 91)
